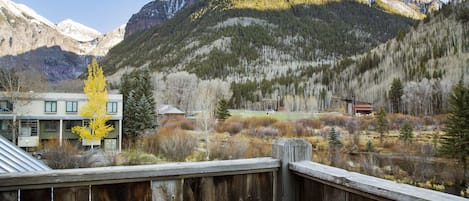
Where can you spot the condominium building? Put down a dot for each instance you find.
(42, 117)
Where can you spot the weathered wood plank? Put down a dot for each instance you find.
(80, 193)
(289, 150)
(122, 192)
(256, 187)
(9, 196)
(167, 190)
(333, 194)
(368, 184)
(120, 174)
(309, 190)
(355, 197)
(36, 194)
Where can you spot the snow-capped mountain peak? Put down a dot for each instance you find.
(25, 12)
(77, 31)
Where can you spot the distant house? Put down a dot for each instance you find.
(169, 112)
(357, 107)
(51, 116)
(13, 159)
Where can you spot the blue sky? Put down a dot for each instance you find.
(102, 15)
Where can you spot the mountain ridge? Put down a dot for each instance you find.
(30, 41)
(77, 31)
(243, 46)
(154, 13)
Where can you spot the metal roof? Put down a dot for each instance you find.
(169, 109)
(14, 159)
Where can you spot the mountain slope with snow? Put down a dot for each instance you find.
(77, 31)
(154, 13)
(29, 41)
(20, 10)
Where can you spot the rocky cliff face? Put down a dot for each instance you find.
(105, 42)
(28, 41)
(155, 13)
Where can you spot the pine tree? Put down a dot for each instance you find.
(395, 94)
(139, 104)
(130, 121)
(334, 145)
(95, 108)
(455, 143)
(406, 133)
(125, 85)
(382, 124)
(334, 139)
(146, 117)
(369, 146)
(222, 112)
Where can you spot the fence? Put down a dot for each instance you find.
(288, 176)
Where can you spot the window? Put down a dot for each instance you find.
(112, 107)
(6, 106)
(50, 126)
(50, 106)
(70, 124)
(4, 125)
(71, 106)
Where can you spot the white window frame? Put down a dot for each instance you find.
(73, 106)
(111, 107)
(50, 106)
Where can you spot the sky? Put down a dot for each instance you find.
(102, 15)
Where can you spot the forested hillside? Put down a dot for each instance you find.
(264, 50)
(428, 59)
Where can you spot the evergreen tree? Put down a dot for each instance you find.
(406, 133)
(455, 143)
(334, 145)
(139, 104)
(382, 124)
(145, 87)
(395, 94)
(130, 121)
(222, 110)
(369, 146)
(146, 117)
(334, 139)
(125, 86)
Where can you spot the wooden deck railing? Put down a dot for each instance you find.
(288, 176)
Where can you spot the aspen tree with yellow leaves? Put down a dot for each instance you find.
(95, 108)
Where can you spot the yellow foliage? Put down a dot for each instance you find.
(276, 4)
(95, 108)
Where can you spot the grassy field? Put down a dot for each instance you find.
(275, 115)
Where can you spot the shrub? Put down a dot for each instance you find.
(301, 130)
(150, 142)
(365, 122)
(233, 127)
(134, 157)
(311, 123)
(187, 124)
(334, 120)
(255, 122)
(267, 132)
(232, 148)
(66, 156)
(176, 145)
(258, 148)
(285, 128)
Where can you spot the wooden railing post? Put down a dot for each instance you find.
(289, 150)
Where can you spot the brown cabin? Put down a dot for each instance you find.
(170, 112)
(358, 107)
